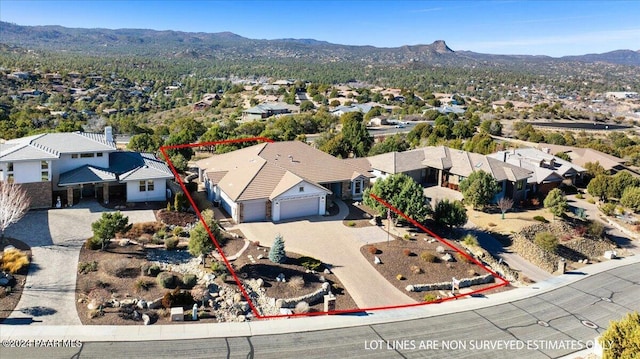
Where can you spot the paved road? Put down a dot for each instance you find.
(332, 242)
(546, 325)
(55, 237)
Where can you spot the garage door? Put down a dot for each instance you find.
(255, 211)
(299, 207)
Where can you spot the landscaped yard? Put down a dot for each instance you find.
(11, 291)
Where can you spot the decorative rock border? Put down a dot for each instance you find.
(465, 282)
(309, 298)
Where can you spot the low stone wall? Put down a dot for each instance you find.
(310, 298)
(534, 254)
(589, 248)
(465, 282)
(490, 261)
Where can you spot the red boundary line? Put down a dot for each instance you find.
(256, 313)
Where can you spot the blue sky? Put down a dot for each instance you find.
(554, 28)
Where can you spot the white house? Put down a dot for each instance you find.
(278, 181)
(76, 165)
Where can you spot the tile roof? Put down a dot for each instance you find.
(86, 174)
(582, 156)
(263, 170)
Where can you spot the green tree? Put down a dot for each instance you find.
(594, 169)
(402, 192)
(452, 214)
(277, 253)
(355, 134)
(306, 106)
(631, 198)
(563, 155)
(599, 186)
(619, 182)
(622, 338)
(556, 202)
(479, 189)
(393, 143)
(145, 143)
(199, 241)
(108, 225)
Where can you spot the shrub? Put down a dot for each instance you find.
(622, 338)
(142, 285)
(277, 253)
(429, 297)
(166, 280)
(14, 260)
(400, 277)
(373, 250)
(168, 206)
(180, 202)
(92, 244)
(535, 202)
(579, 196)
(406, 252)
(296, 282)
(406, 237)
(171, 243)
(161, 234)
(218, 267)
(351, 224)
(565, 237)
(546, 241)
(164, 312)
(470, 240)
(189, 280)
(591, 200)
(302, 307)
(596, 229)
(580, 230)
(117, 268)
(608, 209)
(310, 263)
(153, 270)
(138, 229)
(177, 298)
(86, 267)
(540, 219)
(429, 257)
(416, 270)
(178, 231)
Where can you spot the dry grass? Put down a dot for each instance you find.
(513, 221)
(14, 260)
(296, 282)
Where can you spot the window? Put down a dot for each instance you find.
(99, 154)
(301, 189)
(44, 176)
(143, 186)
(74, 155)
(150, 185)
(519, 185)
(10, 167)
(44, 165)
(147, 185)
(87, 155)
(357, 187)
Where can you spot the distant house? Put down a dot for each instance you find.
(207, 100)
(447, 167)
(341, 110)
(77, 164)
(582, 156)
(278, 181)
(548, 170)
(266, 110)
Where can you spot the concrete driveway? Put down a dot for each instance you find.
(55, 237)
(327, 239)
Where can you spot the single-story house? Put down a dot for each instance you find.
(77, 164)
(582, 156)
(446, 167)
(548, 170)
(278, 181)
(266, 110)
(341, 110)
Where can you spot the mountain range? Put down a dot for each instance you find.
(229, 46)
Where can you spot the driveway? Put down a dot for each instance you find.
(55, 237)
(327, 239)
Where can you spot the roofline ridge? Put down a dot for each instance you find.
(251, 179)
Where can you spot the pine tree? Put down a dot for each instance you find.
(277, 253)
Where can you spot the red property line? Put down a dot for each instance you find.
(255, 311)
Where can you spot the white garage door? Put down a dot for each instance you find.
(299, 207)
(254, 211)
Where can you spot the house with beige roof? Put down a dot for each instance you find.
(78, 164)
(582, 156)
(278, 181)
(447, 167)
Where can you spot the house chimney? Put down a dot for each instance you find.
(108, 134)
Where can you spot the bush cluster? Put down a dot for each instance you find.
(177, 298)
(14, 260)
(171, 243)
(540, 219)
(546, 241)
(117, 268)
(310, 263)
(470, 240)
(296, 282)
(86, 267)
(166, 280)
(428, 257)
(151, 270)
(189, 280)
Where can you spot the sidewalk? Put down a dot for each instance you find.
(292, 325)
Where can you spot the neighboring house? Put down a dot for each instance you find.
(582, 156)
(74, 165)
(278, 181)
(265, 110)
(341, 110)
(548, 170)
(446, 167)
(206, 102)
